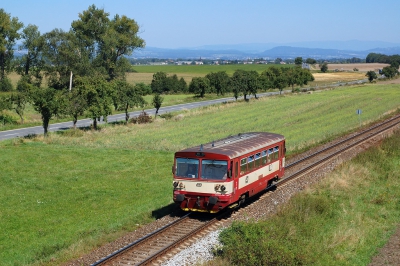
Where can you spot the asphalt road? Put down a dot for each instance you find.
(29, 131)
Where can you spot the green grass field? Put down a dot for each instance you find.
(343, 220)
(68, 193)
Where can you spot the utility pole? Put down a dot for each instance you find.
(70, 82)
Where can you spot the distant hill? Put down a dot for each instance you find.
(316, 50)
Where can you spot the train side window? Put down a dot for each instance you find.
(243, 165)
(250, 163)
(276, 153)
(270, 154)
(257, 160)
(264, 156)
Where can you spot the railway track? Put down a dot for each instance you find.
(156, 247)
(153, 248)
(323, 155)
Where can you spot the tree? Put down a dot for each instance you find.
(127, 96)
(278, 60)
(62, 54)
(298, 61)
(102, 44)
(389, 72)
(76, 104)
(303, 76)
(9, 28)
(311, 61)
(268, 77)
(280, 82)
(172, 84)
(119, 41)
(235, 88)
(395, 64)
(143, 89)
(199, 86)
(47, 102)
(182, 85)
(31, 64)
(218, 82)
(323, 67)
(239, 84)
(158, 83)
(245, 82)
(253, 82)
(18, 103)
(5, 103)
(371, 75)
(157, 101)
(97, 93)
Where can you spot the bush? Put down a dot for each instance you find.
(167, 116)
(5, 85)
(143, 118)
(7, 119)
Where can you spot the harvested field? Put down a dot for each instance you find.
(363, 67)
(333, 77)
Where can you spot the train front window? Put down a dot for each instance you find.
(186, 167)
(214, 169)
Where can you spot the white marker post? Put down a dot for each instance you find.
(359, 115)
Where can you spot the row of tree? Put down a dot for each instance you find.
(241, 83)
(382, 58)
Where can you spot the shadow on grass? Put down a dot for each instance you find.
(171, 210)
(117, 123)
(30, 136)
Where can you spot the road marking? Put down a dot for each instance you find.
(10, 134)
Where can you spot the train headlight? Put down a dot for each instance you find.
(223, 188)
(181, 185)
(216, 188)
(175, 184)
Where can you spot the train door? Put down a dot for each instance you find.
(236, 178)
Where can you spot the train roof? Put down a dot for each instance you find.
(237, 145)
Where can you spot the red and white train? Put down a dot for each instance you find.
(213, 176)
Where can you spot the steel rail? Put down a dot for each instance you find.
(341, 142)
(140, 240)
(315, 164)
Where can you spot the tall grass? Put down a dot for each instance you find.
(66, 194)
(341, 221)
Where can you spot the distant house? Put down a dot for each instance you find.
(305, 66)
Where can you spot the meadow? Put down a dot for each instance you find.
(70, 192)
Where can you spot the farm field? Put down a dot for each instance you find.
(74, 191)
(362, 67)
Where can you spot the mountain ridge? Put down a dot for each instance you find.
(327, 50)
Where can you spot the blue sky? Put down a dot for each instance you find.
(193, 23)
